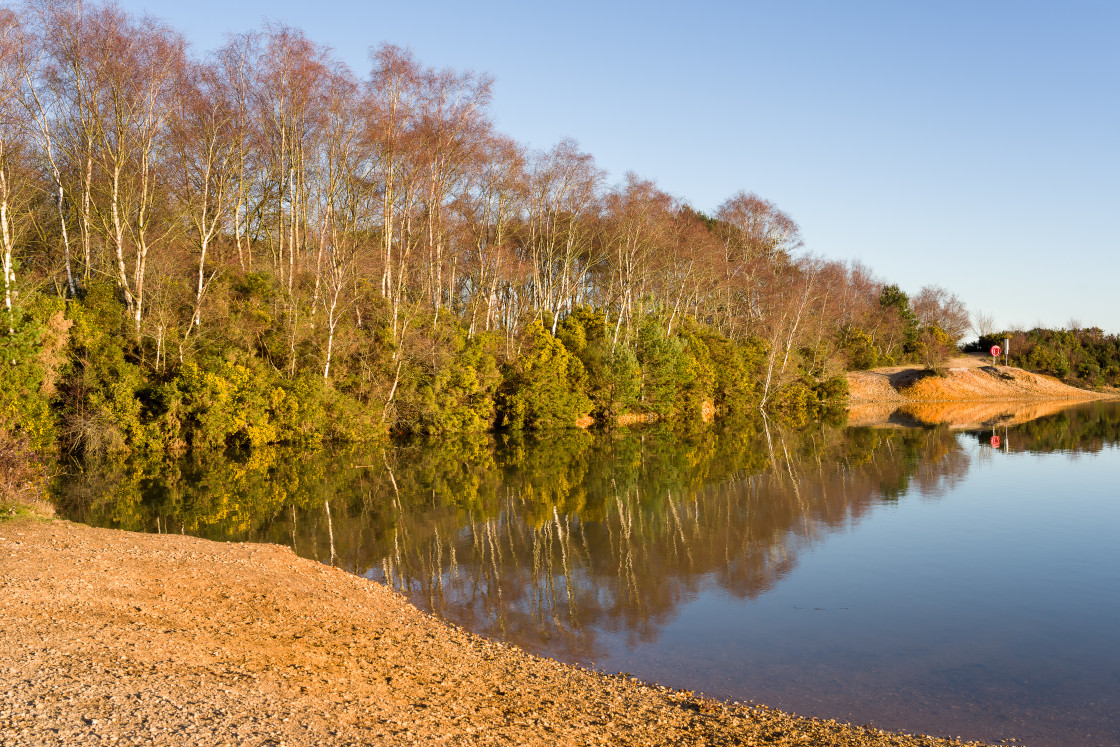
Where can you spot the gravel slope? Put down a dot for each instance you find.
(119, 638)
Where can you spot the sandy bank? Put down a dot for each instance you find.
(114, 637)
(969, 382)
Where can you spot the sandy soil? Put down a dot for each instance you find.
(969, 378)
(119, 638)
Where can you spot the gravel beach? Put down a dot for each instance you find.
(112, 637)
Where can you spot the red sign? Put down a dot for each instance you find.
(996, 351)
(995, 442)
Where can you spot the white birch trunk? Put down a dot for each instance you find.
(8, 239)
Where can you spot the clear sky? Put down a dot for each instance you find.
(973, 145)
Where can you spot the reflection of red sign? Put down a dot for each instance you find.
(996, 350)
(995, 442)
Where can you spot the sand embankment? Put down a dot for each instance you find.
(115, 637)
(968, 378)
(971, 393)
(959, 384)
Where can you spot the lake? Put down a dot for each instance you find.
(924, 579)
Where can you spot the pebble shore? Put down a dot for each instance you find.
(118, 638)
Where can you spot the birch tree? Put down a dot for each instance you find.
(488, 211)
(344, 204)
(65, 100)
(40, 118)
(563, 208)
(205, 143)
(757, 238)
(789, 295)
(637, 216)
(121, 74)
(13, 183)
(392, 108)
(451, 128)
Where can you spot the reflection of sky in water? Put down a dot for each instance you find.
(917, 579)
(960, 615)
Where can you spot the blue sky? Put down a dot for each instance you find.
(972, 145)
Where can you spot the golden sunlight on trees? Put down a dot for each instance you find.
(262, 225)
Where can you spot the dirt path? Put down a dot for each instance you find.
(119, 638)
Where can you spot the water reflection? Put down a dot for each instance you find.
(631, 526)
(548, 542)
(964, 415)
(577, 544)
(544, 543)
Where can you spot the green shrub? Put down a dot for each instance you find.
(100, 390)
(454, 392)
(859, 350)
(217, 404)
(28, 361)
(697, 377)
(737, 366)
(221, 404)
(22, 475)
(807, 399)
(663, 367)
(544, 387)
(613, 373)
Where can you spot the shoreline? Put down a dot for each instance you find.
(138, 638)
(957, 414)
(966, 380)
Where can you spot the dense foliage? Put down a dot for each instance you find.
(1085, 357)
(259, 247)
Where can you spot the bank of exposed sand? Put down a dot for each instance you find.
(115, 637)
(969, 379)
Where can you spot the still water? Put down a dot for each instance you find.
(929, 579)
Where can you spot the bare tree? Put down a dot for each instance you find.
(65, 99)
(451, 128)
(757, 238)
(682, 276)
(788, 296)
(983, 323)
(392, 107)
(41, 116)
(344, 204)
(486, 210)
(638, 217)
(936, 307)
(204, 142)
(563, 202)
(17, 185)
(114, 77)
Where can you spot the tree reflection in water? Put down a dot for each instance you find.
(552, 543)
(649, 522)
(546, 542)
(586, 547)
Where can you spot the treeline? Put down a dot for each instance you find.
(260, 246)
(1084, 357)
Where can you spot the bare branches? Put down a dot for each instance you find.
(936, 307)
(347, 210)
